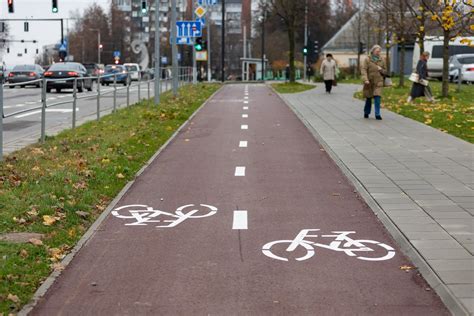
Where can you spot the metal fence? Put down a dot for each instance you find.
(185, 76)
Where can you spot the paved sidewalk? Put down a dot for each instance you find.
(420, 177)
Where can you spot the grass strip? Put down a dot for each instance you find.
(59, 188)
(294, 87)
(453, 115)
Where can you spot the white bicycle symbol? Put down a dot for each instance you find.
(342, 242)
(144, 214)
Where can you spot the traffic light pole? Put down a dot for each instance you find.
(157, 53)
(305, 57)
(223, 42)
(174, 48)
(26, 20)
(194, 54)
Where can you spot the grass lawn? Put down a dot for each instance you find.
(453, 115)
(59, 188)
(295, 87)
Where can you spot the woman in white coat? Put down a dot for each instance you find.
(328, 71)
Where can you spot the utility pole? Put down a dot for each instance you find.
(263, 44)
(194, 52)
(98, 46)
(174, 48)
(157, 53)
(305, 58)
(223, 42)
(209, 47)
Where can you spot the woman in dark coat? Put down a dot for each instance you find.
(418, 89)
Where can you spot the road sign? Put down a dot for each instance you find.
(207, 2)
(183, 41)
(117, 53)
(201, 56)
(200, 11)
(62, 48)
(164, 60)
(188, 28)
(202, 21)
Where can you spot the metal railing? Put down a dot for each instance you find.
(185, 77)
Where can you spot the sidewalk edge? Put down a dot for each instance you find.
(446, 295)
(42, 290)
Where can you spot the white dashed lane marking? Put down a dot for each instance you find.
(245, 108)
(239, 171)
(244, 127)
(240, 220)
(245, 115)
(243, 144)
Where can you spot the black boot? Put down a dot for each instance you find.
(366, 115)
(378, 117)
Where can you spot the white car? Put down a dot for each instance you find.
(465, 62)
(134, 70)
(434, 45)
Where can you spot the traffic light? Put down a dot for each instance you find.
(305, 51)
(144, 7)
(316, 47)
(26, 27)
(198, 44)
(54, 7)
(11, 9)
(361, 48)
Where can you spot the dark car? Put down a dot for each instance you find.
(21, 74)
(120, 73)
(58, 74)
(93, 70)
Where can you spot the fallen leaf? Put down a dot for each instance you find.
(23, 253)
(105, 160)
(57, 266)
(120, 176)
(36, 168)
(35, 242)
(48, 220)
(56, 254)
(82, 214)
(13, 298)
(407, 268)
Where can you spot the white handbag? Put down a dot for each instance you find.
(414, 77)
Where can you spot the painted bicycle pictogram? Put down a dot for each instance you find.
(359, 248)
(144, 214)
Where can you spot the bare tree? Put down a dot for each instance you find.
(291, 13)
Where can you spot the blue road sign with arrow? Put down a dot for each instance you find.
(189, 28)
(207, 2)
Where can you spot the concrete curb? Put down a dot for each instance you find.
(446, 295)
(41, 291)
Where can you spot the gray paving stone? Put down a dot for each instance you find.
(412, 220)
(406, 213)
(419, 227)
(452, 264)
(432, 254)
(462, 290)
(457, 277)
(469, 303)
(438, 215)
(428, 235)
(437, 244)
(399, 206)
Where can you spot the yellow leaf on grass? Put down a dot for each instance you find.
(120, 176)
(450, 116)
(48, 220)
(35, 242)
(36, 168)
(56, 254)
(428, 121)
(13, 298)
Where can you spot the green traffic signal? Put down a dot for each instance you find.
(55, 6)
(144, 7)
(305, 50)
(198, 45)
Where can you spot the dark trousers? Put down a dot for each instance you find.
(328, 84)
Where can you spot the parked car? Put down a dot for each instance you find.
(21, 74)
(134, 70)
(434, 45)
(93, 70)
(59, 72)
(465, 62)
(120, 73)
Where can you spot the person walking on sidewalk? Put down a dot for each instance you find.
(420, 86)
(373, 71)
(328, 71)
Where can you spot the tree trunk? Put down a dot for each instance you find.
(445, 88)
(402, 65)
(291, 38)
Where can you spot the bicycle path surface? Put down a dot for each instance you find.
(210, 228)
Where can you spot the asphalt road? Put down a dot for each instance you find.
(257, 179)
(25, 128)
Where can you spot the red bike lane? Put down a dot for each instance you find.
(211, 226)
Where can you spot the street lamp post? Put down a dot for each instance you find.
(223, 42)
(263, 45)
(99, 45)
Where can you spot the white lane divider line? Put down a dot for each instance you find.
(245, 115)
(243, 144)
(20, 105)
(244, 127)
(240, 220)
(47, 110)
(239, 171)
(246, 97)
(246, 102)
(245, 108)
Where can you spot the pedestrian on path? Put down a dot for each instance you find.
(373, 72)
(420, 86)
(328, 71)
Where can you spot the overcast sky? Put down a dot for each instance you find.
(43, 32)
